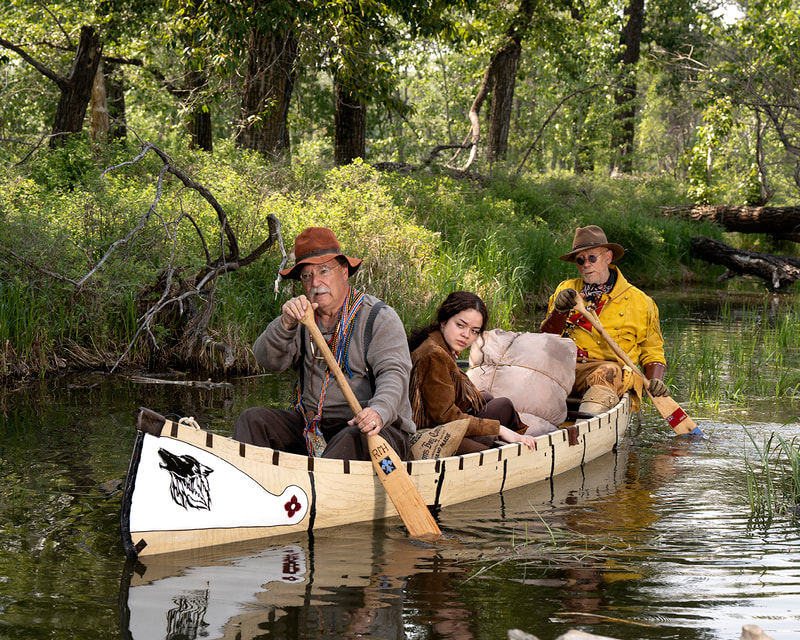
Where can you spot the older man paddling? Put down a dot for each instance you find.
(629, 316)
(368, 341)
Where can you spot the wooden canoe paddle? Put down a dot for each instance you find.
(387, 463)
(672, 412)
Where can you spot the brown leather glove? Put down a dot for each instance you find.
(565, 300)
(655, 373)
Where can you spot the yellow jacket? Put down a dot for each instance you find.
(630, 317)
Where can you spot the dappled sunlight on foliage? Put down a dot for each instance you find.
(421, 236)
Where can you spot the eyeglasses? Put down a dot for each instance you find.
(580, 260)
(321, 272)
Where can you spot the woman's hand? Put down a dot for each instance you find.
(507, 435)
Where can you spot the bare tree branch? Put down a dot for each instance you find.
(67, 37)
(36, 267)
(184, 304)
(45, 71)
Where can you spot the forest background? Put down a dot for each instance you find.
(158, 154)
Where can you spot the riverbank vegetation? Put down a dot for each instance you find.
(450, 144)
(754, 356)
(421, 235)
(773, 478)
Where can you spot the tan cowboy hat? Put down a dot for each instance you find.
(317, 245)
(588, 237)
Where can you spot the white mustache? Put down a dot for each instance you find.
(317, 290)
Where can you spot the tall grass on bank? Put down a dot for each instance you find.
(753, 353)
(773, 479)
(421, 236)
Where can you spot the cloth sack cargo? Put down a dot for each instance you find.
(535, 371)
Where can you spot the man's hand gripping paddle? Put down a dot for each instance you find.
(672, 412)
(387, 463)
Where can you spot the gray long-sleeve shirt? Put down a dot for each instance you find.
(278, 348)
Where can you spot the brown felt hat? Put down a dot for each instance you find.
(588, 237)
(317, 245)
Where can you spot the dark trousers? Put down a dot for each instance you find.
(501, 409)
(282, 430)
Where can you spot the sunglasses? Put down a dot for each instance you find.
(580, 260)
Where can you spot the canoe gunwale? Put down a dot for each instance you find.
(342, 492)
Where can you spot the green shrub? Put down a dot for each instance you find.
(421, 236)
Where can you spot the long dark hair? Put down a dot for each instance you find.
(456, 302)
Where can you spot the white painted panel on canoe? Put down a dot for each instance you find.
(180, 486)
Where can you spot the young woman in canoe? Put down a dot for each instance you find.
(440, 392)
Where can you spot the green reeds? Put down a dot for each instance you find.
(773, 481)
(752, 353)
(487, 267)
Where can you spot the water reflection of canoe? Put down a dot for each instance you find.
(188, 488)
(338, 585)
(233, 591)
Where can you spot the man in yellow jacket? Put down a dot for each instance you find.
(628, 314)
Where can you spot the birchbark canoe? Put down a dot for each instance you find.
(242, 591)
(188, 488)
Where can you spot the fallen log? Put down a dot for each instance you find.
(779, 271)
(200, 384)
(783, 222)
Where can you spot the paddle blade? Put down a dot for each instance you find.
(401, 489)
(675, 416)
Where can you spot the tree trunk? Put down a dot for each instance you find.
(582, 155)
(503, 82)
(115, 97)
(76, 90)
(781, 222)
(622, 136)
(267, 92)
(350, 127)
(779, 271)
(194, 82)
(200, 130)
(499, 80)
(98, 107)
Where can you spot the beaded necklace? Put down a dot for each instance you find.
(340, 345)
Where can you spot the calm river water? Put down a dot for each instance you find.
(655, 541)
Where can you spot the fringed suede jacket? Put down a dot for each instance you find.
(440, 392)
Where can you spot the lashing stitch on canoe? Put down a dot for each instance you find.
(439, 485)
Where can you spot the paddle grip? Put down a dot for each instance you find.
(595, 322)
(333, 366)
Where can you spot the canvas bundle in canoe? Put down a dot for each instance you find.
(188, 488)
